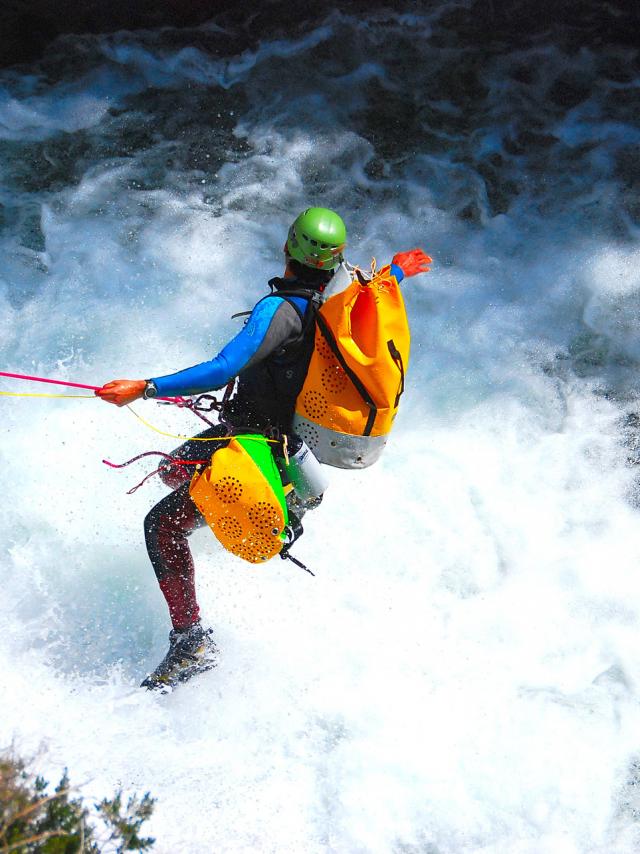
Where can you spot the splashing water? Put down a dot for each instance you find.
(462, 674)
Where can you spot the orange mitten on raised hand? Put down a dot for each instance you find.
(412, 262)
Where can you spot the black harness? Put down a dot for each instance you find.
(266, 393)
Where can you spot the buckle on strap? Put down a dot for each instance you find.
(294, 532)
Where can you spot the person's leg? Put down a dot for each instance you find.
(166, 529)
(170, 522)
(174, 475)
(191, 646)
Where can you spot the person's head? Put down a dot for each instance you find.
(314, 245)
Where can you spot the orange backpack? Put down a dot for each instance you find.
(350, 397)
(240, 494)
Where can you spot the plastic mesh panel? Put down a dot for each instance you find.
(315, 404)
(334, 379)
(324, 350)
(254, 549)
(264, 517)
(228, 489)
(309, 433)
(230, 526)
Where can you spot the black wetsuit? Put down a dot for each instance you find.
(279, 348)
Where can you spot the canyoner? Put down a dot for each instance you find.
(314, 376)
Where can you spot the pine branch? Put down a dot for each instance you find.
(35, 806)
(47, 834)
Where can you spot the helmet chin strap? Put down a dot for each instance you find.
(288, 272)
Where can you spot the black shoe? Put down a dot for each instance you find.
(191, 651)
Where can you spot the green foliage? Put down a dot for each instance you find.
(125, 827)
(34, 821)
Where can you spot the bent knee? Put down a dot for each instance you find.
(150, 522)
(173, 475)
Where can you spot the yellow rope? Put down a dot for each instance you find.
(40, 394)
(256, 438)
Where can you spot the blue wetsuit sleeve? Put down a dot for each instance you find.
(397, 272)
(230, 361)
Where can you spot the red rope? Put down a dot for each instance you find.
(173, 460)
(156, 454)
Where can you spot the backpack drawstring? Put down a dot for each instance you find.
(167, 457)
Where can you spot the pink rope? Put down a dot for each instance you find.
(143, 481)
(70, 385)
(44, 380)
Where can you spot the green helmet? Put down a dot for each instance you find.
(317, 238)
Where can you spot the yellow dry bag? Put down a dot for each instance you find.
(240, 494)
(356, 375)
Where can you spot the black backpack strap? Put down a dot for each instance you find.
(396, 355)
(294, 532)
(278, 289)
(315, 300)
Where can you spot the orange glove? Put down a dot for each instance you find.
(412, 262)
(121, 392)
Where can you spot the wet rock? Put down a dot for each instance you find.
(631, 207)
(618, 68)
(28, 26)
(47, 165)
(627, 164)
(624, 102)
(375, 168)
(530, 140)
(524, 22)
(470, 213)
(588, 352)
(568, 91)
(461, 82)
(527, 141)
(500, 190)
(524, 74)
(31, 235)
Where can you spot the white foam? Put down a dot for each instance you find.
(462, 674)
(613, 278)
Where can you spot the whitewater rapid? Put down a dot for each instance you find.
(462, 675)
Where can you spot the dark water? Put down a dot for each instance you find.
(462, 676)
